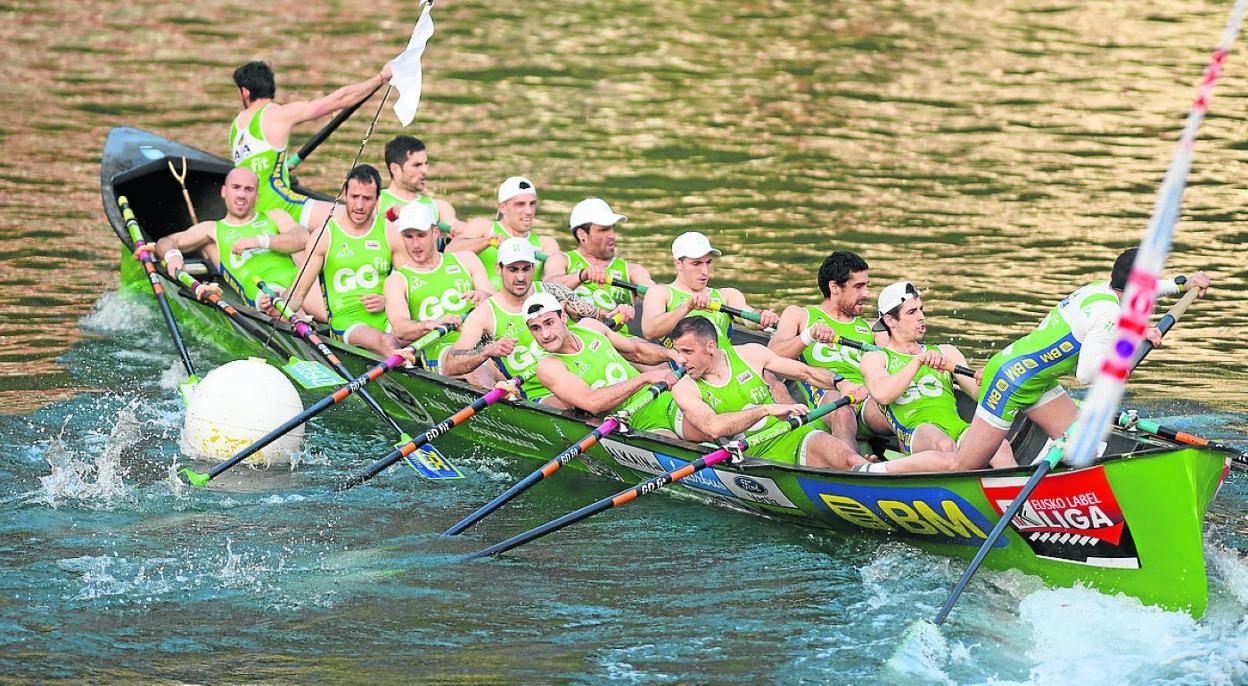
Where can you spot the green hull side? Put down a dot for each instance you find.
(1127, 525)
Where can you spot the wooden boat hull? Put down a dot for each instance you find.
(1132, 523)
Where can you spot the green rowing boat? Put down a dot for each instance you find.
(1130, 523)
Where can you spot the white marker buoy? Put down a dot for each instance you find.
(236, 404)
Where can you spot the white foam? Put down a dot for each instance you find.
(118, 312)
(95, 477)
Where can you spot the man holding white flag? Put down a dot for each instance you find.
(406, 68)
(1075, 336)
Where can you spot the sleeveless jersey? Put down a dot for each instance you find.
(250, 148)
(242, 271)
(928, 399)
(601, 296)
(722, 321)
(839, 359)
(599, 364)
(744, 389)
(489, 256)
(436, 293)
(527, 351)
(388, 200)
(355, 266)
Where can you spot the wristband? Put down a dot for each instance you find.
(263, 240)
(807, 338)
(170, 253)
(581, 276)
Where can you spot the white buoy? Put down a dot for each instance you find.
(236, 404)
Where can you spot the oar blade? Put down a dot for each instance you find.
(429, 462)
(194, 478)
(311, 374)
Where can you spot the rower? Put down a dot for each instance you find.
(723, 395)
(433, 288)
(587, 268)
(911, 382)
(511, 347)
(351, 258)
(517, 206)
(590, 367)
(407, 160)
(1024, 376)
(245, 244)
(809, 334)
(689, 294)
(261, 132)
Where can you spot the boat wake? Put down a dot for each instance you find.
(119, 312)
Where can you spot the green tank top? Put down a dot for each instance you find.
(744, 389)
(250, 148)
(437, 293)
(722, 322)
(355, 266)
(241, 271)
(527, 351)
(489, 256)
(389, 200)
(928, 399)
(601, 296)
(839, 359)
(597, 363)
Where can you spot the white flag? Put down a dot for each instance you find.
(406, 68)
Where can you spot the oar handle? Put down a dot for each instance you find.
(325, 132)
(1166, 323)
(838, 339)
(541, 256)
(714, 305)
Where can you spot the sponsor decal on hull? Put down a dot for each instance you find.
(930, 513)
(1072, 517)
(730, 485)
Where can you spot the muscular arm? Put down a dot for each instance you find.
(765, 359)
(787, 341)
(639, 275)
(472, 236)
(576, 307)
(574, 392)
(466, 355)
(635, 350)
(702, 423)
(398, 311)
(314, 261)
(194, 238)
(655, 320)
(556, 271)
(280, 119)
(480, 280)
(885, 387)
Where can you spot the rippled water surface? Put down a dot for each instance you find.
(997, 154)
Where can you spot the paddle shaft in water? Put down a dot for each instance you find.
(328, 130)
(1050, 460)
(435, 431)
(149, 265)
(304, 331)
(611, 424)
(737, 446)
(321, 405)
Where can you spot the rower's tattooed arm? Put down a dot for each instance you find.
(576, 306)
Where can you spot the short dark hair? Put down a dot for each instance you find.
(837, 267)
(398, 150)
(581, 227)
(1122, 269)
(257, 78)
(365, 173)
(701, 328)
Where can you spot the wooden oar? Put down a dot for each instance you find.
(1042, 467)
(713, 306)
(353, 386)
(325, 132)
(870, 347)
(305, 331)
(435, 431)
(611, 424)
(735, 447)
(1129, 420)
(186, 195)
(143, 252)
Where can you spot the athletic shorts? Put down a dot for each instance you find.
(1002, 398)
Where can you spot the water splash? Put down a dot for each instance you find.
(118, 312)
(89, 476)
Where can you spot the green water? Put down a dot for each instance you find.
(997, 155)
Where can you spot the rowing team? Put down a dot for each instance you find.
(384, 283)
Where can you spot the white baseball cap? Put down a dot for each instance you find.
(539, 304)
(893, 295)
(513, 186)
(416, 216)
(594, 211)
(692, 245)
(516, 250)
